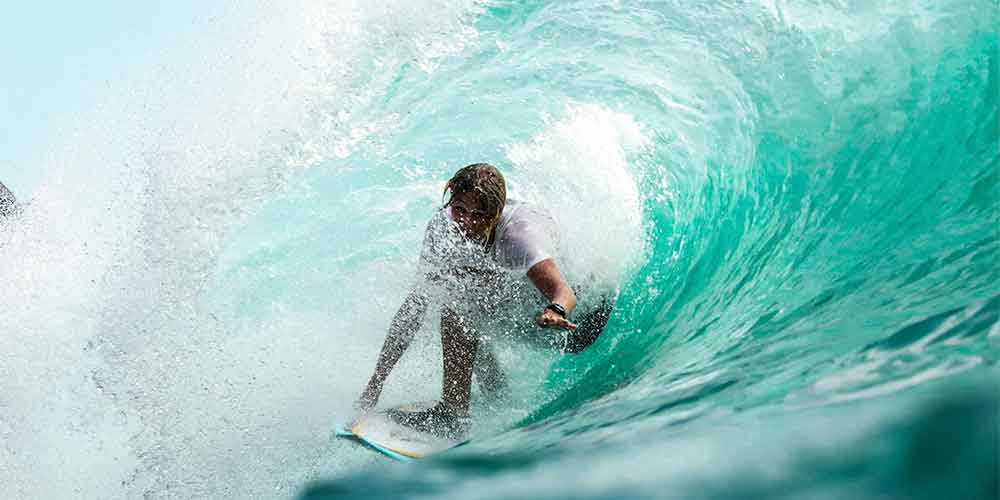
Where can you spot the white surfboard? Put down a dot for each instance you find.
(390, 438)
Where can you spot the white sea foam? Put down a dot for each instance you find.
(116, 381)
(579, 168)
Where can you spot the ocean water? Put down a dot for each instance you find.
(798, 203)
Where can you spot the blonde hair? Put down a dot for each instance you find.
(483, 179)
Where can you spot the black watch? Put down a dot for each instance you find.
(560, 310)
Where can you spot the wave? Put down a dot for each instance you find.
(797, 205)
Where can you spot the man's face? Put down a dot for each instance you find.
(468, 212)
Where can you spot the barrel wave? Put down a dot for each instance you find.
(798, 206)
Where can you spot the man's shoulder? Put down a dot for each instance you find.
(523, 211)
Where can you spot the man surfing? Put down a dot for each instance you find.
(483, 253)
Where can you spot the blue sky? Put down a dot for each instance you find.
(58, 57)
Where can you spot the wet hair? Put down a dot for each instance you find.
(483, 179)
(8, 204)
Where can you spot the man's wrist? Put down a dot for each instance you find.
(557, 308)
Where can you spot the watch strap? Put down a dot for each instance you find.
(558, 309)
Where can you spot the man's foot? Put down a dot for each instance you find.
(437, 420)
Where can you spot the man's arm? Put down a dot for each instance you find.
(546, 277)
(404, 325)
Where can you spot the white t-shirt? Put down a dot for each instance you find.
(525, 236)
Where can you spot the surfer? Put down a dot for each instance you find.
(479, 250)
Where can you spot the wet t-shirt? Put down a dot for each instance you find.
(524, 237)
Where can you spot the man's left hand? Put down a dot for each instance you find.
(552, 319)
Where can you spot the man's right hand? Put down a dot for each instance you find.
(550, 319)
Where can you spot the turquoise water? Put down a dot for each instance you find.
(800, 205)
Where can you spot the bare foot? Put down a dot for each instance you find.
(437, 420)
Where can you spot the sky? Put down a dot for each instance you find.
(58, 58)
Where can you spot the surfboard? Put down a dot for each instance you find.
(378, 432)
